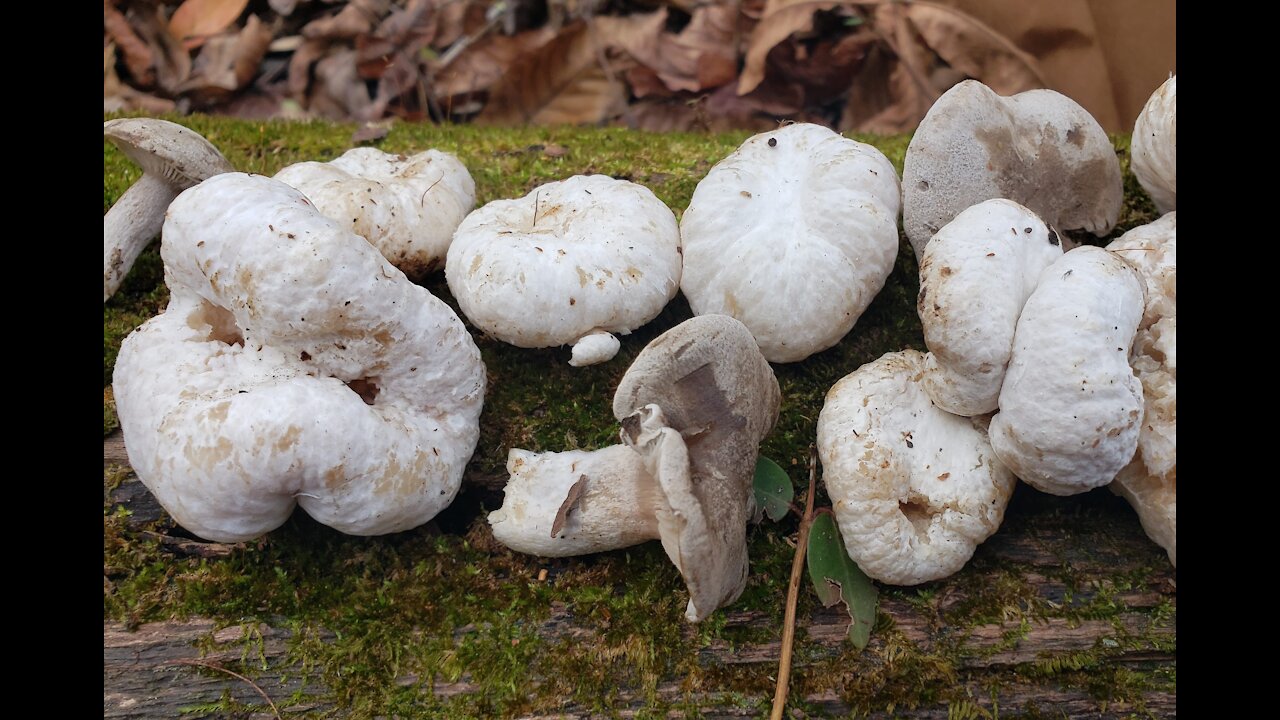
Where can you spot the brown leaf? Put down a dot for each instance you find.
(458, 19)
(300, 63)
(701, 56)
(227, 63)
(892, 92)
(781, 18)
(172, 60)
(565, 81)
(570, 502)
(409, 30)
(195, 20)
(822, 69)
(117, 96)
(355, 18)
(484, 62)
(338, 92)
(137, 56)
(975, 49)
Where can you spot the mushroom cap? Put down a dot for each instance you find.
(695, 405)
(915, 489)
(406, 206)
(1038, 148)
(1149, 483)
(574, 256)
(975, 275)
(166, 149)
(1153, 250)
(1156, 501)
(559, 504)
(1153, 153)
(1071, 407)
(293, 364)
(793, 233)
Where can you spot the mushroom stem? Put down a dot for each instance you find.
(576, 502)
(132, 223)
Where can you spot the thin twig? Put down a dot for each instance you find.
(793, 594)
(200, 663)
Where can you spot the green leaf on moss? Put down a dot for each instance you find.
(773, 489)
(835, 577)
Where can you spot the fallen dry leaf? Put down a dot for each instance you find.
(137, 56)
(338, 92)
(355, 18)
(227, 63)
(172, 60)
(780, 19)
(195, 20)
(699, 57)
(483, 63)
(975, 49)
(569, 80)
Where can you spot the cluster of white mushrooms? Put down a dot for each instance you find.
(298, 364)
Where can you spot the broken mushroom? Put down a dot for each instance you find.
(571, 262)
(172, 158)
(1038, 148)
(915, 489)
(1071, 407)
(293, 365)
(694, 407)
(975, 276)
(1149, 483)
(1154, 150)
(793, 233)
(406, 206)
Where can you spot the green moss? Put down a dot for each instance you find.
(377, 621)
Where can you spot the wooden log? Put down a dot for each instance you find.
(148, 671)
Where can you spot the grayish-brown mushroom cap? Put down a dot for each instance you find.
(695, 405)
(1038, 148)
(173, 158)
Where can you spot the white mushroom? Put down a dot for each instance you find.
(293, 365)
(694, 407)
(570, 262)
(1038, 148)
(975, 276)
(1070, 407)
(793, 233)
(407, 207)
(172, 158)
(915, 490)
(1149, 483)
(1153, 151)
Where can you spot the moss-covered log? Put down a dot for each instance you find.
(1068, 611)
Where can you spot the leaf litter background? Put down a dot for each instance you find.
(864, 65)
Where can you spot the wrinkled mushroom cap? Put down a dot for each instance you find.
(793, 233)
(293, 365)
(1071, 407)
(975, 275)
(915, 489)
(166, 149)
(406, 206)
(1038, 148)
(1149, 483)
(585, 254)
(1153, 250)
(695, 405)
(1153, 152)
